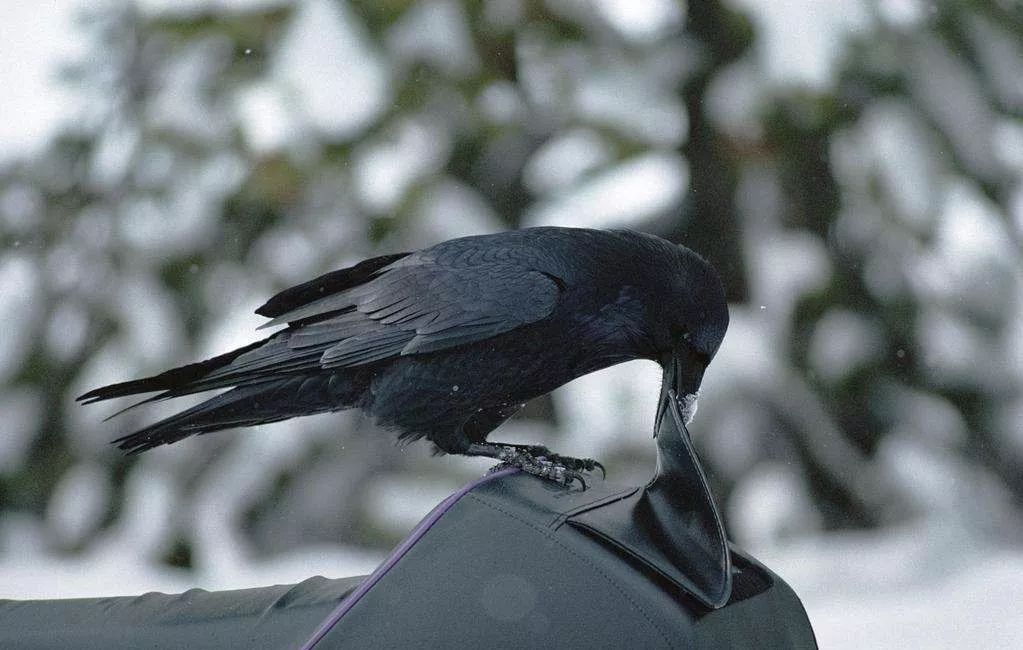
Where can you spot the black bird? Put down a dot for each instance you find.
(448, 342)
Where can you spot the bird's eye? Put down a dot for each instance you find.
(686, 336)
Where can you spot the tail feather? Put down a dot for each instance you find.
(268, 380)
(258, 403)
(171, 382)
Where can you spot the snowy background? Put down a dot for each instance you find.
(854, 169)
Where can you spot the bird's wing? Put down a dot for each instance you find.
(423, 302)
(326, 284)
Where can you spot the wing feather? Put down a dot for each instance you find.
(423, 302)
(367, 348)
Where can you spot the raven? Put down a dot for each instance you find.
(448, 342)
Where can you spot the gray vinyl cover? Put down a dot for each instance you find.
(503, 566)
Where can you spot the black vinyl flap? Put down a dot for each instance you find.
(673, 526)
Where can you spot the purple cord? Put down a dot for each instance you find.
(417, 533)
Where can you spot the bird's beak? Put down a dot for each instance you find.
(683, 373)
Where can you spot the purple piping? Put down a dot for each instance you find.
(417, 533)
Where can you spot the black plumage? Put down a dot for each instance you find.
(446, 343)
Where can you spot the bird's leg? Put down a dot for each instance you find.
(518, 456)
(577, 464)
(537, 460)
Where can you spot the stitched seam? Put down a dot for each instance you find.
(559, 517)
(546, 533)
(613, 497)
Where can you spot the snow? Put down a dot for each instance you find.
(20, 208)
(955, 352)
(927, 584)
(113, 157)
(947, 90)
(152, 326)
(565, 159)
(732, 442)
(599, 406)
(66, 331)
(118, 565)
(19, 310)
(843, 341)
(1016, 209)
(1001, 57)
(78, 503)
(797, 38)
(924, 416)
(642, 20)
(776, 287)
(633, 100)
(182, 102)
(236, 327)
(434, 32)
(971, 229)
(385, 169)
(904, 157)
(164, 226)
(1008, 430)
(903, 14)
(197, 7)
(264, 117)
(772, 502)
(500, 102)
(406, 499)
(638, 188)
(735, 97)
(1008, 145)
(35, 40)
(451, 209)
(20, 411)
(331, 73)
(326, 80)
(285, 253)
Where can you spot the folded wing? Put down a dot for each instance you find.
(418, 304)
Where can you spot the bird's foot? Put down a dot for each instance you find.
(576, 464)
(539, 461)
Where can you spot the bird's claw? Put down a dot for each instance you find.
(583, 464)
(540, 462)
(577, 464)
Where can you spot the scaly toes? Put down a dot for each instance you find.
(579, 464)
(543, 467)
(541, 462)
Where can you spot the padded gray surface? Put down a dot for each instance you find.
(505, 569)
(501, 568)
(280, 616)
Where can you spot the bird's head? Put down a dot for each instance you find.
(695, 325)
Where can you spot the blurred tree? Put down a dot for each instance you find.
(869, 231)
